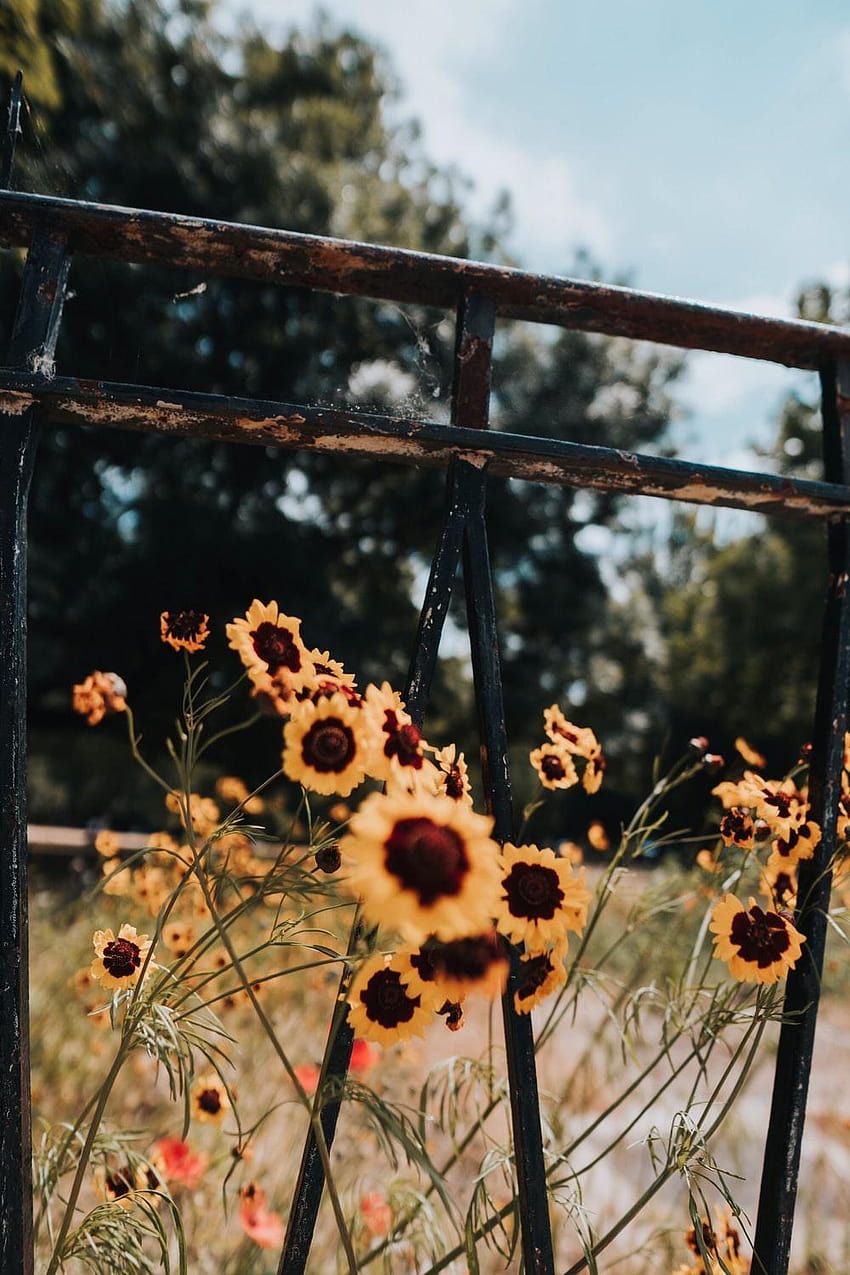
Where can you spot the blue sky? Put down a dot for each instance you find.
(696, 149)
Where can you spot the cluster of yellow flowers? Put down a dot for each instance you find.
(761, 944)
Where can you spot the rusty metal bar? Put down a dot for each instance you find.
(470, 406)
(556, 462)
(32, 346)
(772, 1241)
(394, 274)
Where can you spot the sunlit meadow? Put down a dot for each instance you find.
(181, 1010)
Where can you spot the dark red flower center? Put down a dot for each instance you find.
(277, 647)
(535, 971)
(209, 1100)
(781, 803)
(454, 783)
(533, 891)
(121, 958)
(424, 964)
(328, 745)
(403, 741)
(468, 958)
(760, 936)
(119, 1183)
(553, 766)
(185, 625)
(387, 1000)
(737, 826)
(427, 858)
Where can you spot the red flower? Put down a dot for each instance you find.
(263, 1227)
(308, 1076)
(176, 1163)
(364, 1055)
(376, 1213)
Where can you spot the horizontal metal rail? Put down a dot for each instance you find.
(395, 274)
(66, 400)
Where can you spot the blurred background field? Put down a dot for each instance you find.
(613, 1028)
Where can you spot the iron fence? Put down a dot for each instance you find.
(32, 396)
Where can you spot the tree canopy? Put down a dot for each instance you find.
(146, 103)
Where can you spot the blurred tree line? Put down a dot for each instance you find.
(148, 103)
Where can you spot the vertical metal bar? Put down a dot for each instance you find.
(538, 1258)
(772, 1241)
(13, 130)
(32, 347)
(310, 1183)
(470, 407)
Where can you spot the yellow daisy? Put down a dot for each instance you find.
(184, 630)
(745, 792)
(576, 739)
(477, 964)
(423, 865)
(540, 974)
(382, 1007)
(209, 1102)
(798, 843)
(453, 775)
(737, 828)
(269, 644)
(418, 971)
(554, 765)
(542, 898)
(118, 961)
(758, 947)
(398, 743)
(326, 747)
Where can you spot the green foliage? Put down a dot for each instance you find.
(158, 109)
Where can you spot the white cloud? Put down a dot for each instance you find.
(439, 51)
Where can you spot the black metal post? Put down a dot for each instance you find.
(772, 1242)
(32, 347)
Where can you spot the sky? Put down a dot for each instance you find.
(699, 150)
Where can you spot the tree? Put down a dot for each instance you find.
(158, 109)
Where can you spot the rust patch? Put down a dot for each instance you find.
(12, 404)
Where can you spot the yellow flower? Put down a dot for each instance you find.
(554, 765)
(423, 865)
(737, 828)
(179, 936)
(235, 791)
(758, 947)
(542, 899)
(798, 843)
(209, 1101)
(418, 971)
(107, 844)
(779, 884)
(453, 776)
(540, 974)
(477, 964)
(269, 645)
(382, 1007)
(579, 740)
(398, 747)
(186, 630)
(326, 747)
(743, 793)
(118, 961)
